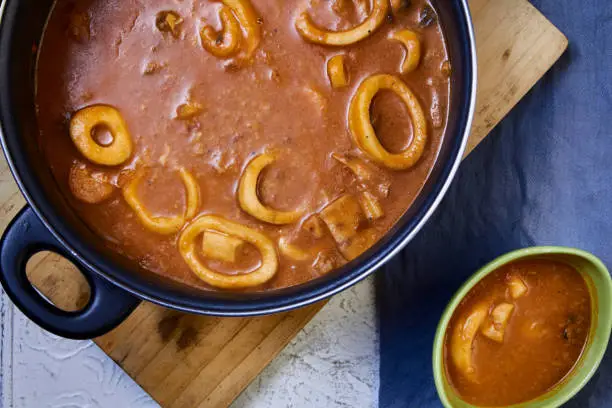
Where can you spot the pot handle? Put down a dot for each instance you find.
(108, 304)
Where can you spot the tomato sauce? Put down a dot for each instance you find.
(187, 109)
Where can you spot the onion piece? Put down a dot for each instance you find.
(371, 206)
(264, 272)
(249, 199)
(307, 29)
(363, 132)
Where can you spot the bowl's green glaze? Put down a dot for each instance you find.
(600, 287)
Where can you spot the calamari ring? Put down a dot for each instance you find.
(462, 338)
(188, 249)
(364, 134)
(246, 15)
(249, 200)
(164, 225)
(312, 33)
(411, 42)
(83, 123)
(230, 32)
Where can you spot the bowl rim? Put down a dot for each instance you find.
(558, 395)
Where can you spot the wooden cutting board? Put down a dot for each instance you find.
(194, 361)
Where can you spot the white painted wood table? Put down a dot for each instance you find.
(332, 362)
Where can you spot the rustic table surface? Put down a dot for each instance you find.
(338, 368)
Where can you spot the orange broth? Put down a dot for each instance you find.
(543, 337)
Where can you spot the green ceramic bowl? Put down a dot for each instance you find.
(600, 287)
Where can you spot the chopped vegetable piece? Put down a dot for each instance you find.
(336, 71)
(314, 226)
(446, 68)
(427, 16)
(344, 218)
(327, 261)
(358, 244)
(86, 187)
(188, 110)
(153, 67)
(78, 27)
(292, 251)
(400, 5)
(371, 206)
(496, 327)
(365, 173)
(168, 21)
(517, 287)
(220, 246)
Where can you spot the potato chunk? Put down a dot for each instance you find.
(367, 175)
(346, 220)
(220, 246)
(343, 217)
(517, 287)
(359, 244)
(314, 226)
(371, 206)
(87, 188)
(496, 327)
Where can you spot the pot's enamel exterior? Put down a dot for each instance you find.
(117, 280)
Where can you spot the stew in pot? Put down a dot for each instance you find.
(242, 144)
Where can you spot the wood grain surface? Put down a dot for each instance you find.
(196, 361)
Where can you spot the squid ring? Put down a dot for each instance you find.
(188, 249)
(249, 200)
(164, 225)
(364, 134)
(462, 338)
(312, 33)
(247, 16)
(230, 33)
(82, 125)
(411, 42)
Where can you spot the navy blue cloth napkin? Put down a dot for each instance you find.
(543, 177)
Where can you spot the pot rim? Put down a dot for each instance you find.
(367, 263)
